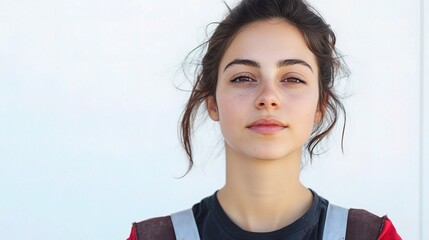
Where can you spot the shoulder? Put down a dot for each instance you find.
(160, 228)
(362, 224)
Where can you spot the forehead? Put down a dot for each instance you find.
(268, 42)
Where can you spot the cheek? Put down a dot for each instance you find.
(303, 109)
(229, 108)
(232, 114)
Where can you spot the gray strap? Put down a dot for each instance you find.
(184, 225)
(335, 223)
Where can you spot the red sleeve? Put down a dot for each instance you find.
(389, 231)
(133, 234)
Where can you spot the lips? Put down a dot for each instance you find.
(266, 126)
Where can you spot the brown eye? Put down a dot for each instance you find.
(242, 79)
(294, 80)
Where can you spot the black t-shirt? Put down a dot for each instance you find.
(214, 224)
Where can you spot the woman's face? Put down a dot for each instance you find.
(267, 91)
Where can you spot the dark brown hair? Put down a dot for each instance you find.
(320, 40)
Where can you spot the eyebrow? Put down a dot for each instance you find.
(281, 63)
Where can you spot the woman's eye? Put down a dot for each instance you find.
(242, 79)
(293, 80)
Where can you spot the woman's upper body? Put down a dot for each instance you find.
(214, 223)
(267, 78)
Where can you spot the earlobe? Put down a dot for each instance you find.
(212, 108)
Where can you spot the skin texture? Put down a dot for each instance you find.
(263, 191)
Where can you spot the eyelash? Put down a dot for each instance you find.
(238, 79)
(295, 80)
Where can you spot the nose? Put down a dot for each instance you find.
(267, 98)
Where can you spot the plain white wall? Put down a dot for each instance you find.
(89, 111)
(424, 58)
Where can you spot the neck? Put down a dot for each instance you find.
(263, 195)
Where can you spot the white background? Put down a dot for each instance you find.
(89, 113)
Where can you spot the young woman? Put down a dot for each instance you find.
(267, 78)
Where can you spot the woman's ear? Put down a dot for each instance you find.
(320, 112)
(212, 108)
(318, 116)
